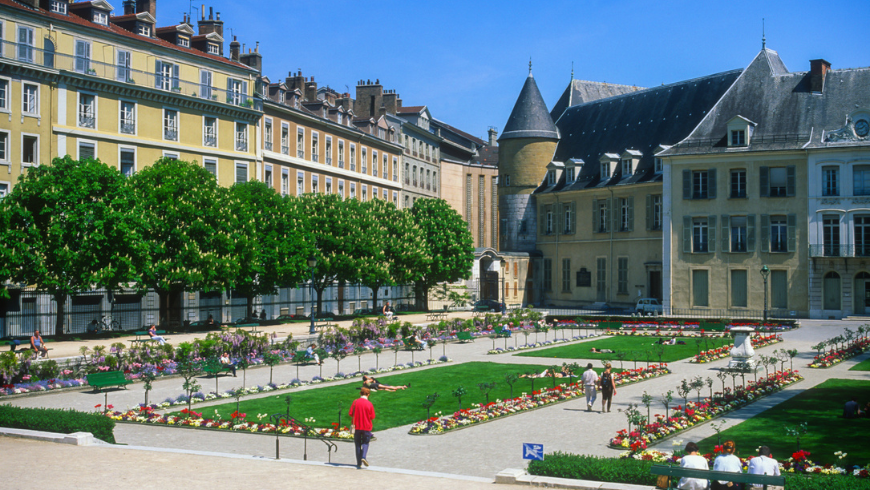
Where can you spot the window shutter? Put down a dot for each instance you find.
(573, 217)
(790, 181)
(630, 213)
(595, 205)
(711, 229)
(687, 234)
(726, 233)
(176, 83)
(764, 181)
(229, 88)
(649, 212)
(792, 232)
(765, 233)
(711, 183)
(158, 70)
(608, 210)
(559, 219)
(687, 184)
(541, 218)
(750, 233)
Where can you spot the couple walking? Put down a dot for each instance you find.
(591, 381)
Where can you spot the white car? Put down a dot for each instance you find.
(648, 305)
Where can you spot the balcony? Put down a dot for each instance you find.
(268, 146)
(210, 140)
(241, 145)
(837, 250)
(128, 126)
(300, 153)
(170, 134)
(87, 121)
(329, 160)
(285, 149)
(341, 164)
(33, 56)
(315, 157)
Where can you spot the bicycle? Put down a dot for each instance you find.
(108, 324)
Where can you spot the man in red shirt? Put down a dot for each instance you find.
(363, 412)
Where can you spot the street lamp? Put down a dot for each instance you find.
(312, 263)
(764, 273)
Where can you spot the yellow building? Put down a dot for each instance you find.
(77, 80)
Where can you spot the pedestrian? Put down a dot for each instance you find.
(693, 460)
(388, 311)
(608, 388)
(590, 380)
(763, 464)
(38, 345)
(363, 412)
(727, 461)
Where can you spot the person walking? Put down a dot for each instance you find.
(363, 412)
(590, 381)
(608, 388)
(763, 464)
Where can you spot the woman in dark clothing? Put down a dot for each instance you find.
(374, 385)
(608, 388)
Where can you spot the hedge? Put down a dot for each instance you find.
(582, 467)
(58, 420)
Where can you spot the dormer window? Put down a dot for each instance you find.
(101, 17)
(184, 42)
(213, 48)
(739, 131)
(58, 7)
(626, 166)
(339, 118)
(738, 137)
(144, 30)
(659, 165)
(569, 175)
(551, 177)
(281, 96)
(605, 170)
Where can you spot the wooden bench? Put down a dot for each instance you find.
(464, 337)
(436, 315)
(142, 336)
(106, 379)
(674, 473)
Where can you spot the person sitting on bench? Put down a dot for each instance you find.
(37, 344)
(152, 332)
(388, 311)
(309, 352)
(225, 360)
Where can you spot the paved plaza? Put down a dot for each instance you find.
(473, 455)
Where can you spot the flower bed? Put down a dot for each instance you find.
(539, 398)
(499, 350)
(837, 356)
(42, 386)
(666, 323)
(725, 351)
(693, 413)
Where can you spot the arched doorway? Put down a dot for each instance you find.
(831, 292)
(861, 294)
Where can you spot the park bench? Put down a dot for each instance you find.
(514, 306)
(142, 336)
(301, 356)
(106, 379)
(674, 473)
(480, 313)
(436, 315)
(464, 337)
(323, 324)
(410, 344)
(215, 367)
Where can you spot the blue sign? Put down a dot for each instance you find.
(533, 451)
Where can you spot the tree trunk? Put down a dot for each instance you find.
(375, 288)
(249, 306)
(60, 299)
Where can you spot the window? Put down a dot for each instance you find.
(779, 289)
(831, 235)
(328, 188)
(267, 134)
(166, 76)
(285, 182)
(414, 175)
(87, 150)
(267, 175)
(205, 84)
(777, 181)
(700, 287)
(340, 154)
(353, 190)
(862, 236)
(241, 172)
(184, 41)
(386, 174)
(738, 289)
(396, 199)
(568, 216)
(300, 142)
(781, 231)
(363, 161)
(374, 192)
(29, 149)
(170, 155)
(127, 117)
(434, 181)
(30, 99)
(374, 163)
(101, 17)
(315, 147)
(341, 188)
(170, 124)
(566, 275)
(4, 147)
(144, 30)
(659, 165)
(127, 160)
(654, 212)
(314, 183)
(338, 118)
(738, 184)
(548, 275)
(622, 275)
(285, 138)
(407, 202)
(58, 7)
(830, 181)
(569, 175)
(738, 234)
(861, 177)
(699, 184)
(626, 166)
(364, 193)
(353, 158)
(300, 183)
(214, 49)
(605, 170)
(328, 150)
(700, 235)
(25, 44)
(548, 221)
(738, 137)
(601, 216)
(209, 131)
(626, 214)
(237, 90)
(87, 111)
(211, 166)
(241, 136)
(4, 94)
(507, 180)
(396, 169)
(122, 71)
(551, 177)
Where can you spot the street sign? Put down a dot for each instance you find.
(533, 451)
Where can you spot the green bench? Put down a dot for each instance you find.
(411, 345)
(142, 336)
(674, 473)
(215, 367)
(106, 379)
(436, 315)
(301, 356)
(464, 337)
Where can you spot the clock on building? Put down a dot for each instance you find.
(862, 128)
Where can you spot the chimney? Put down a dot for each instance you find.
(493, 140)
(369, 98)
(345, 101)
(149, 6)
(391, 99)
(310, 93)
(235, 47)
(818, 69)
(129, 7)
(254, 60)
(295, 82)
(212, 24)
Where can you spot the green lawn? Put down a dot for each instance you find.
(822, 409)
(635, 348)
(861, 366)
(394, 408)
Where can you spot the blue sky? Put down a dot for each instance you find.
(467, 60)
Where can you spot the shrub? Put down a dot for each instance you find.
(825, 482)
(582, 467)
(57, 420)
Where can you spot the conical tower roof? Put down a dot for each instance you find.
(530, 117)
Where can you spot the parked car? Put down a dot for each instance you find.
(324, 315)
(366, 312)
(487, 305)
(287, 318)
(648, 305)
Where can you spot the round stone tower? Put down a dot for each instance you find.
(525, 148)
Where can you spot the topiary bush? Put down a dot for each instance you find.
(57, 420)
(582, 467)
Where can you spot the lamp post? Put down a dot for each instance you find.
(312, 263)
(764, 273)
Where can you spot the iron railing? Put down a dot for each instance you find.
(838, 250)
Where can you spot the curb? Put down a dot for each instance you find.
(512, 476)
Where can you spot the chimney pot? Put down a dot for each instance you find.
(211, 13)
(818, 70)
(202, 10)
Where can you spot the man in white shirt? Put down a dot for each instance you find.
(763, 464)
(590, 381)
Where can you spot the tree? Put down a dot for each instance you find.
(69, 228)
(189, 234)
(270, 248)
(449, 246)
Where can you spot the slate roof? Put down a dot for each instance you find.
(529, 118)
(639, 120)
(414, 109)
(787, 115)
(487, 155)
(581, 91)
